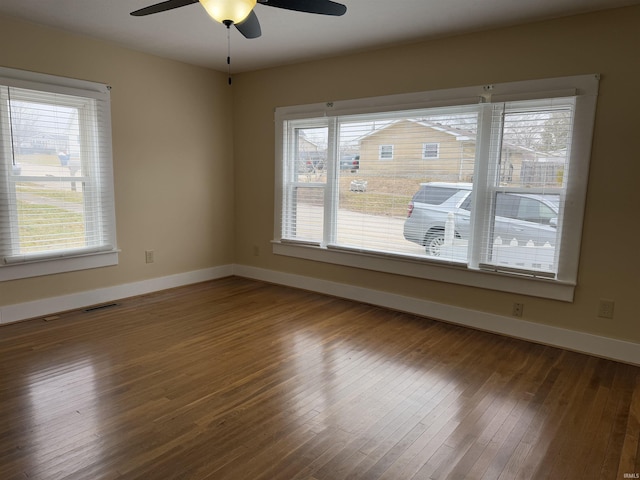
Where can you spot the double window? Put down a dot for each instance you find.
(386, 152)
(430, 150)
(501, 196)
(56, 187)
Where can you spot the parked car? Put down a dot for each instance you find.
(525, 217)
(350, 162)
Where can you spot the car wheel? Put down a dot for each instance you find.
(433, 242)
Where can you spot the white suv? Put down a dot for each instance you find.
(525, 217)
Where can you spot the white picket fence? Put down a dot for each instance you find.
(510, 253)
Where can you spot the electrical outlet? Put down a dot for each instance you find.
(605, 308)
(518, 309)
(148, 256)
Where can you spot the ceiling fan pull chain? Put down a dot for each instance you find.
(229, 51)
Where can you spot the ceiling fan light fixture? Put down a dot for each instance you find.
(234, 11)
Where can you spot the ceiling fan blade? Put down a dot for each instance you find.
(162, 7)
(250, 26)
(323, 7)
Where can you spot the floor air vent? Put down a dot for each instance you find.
(100, 307)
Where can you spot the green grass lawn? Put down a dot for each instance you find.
(43, 226)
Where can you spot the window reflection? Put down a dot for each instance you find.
(64, 418)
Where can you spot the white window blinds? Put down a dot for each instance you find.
(372, 202)
(56, 187)
(304, 197)
(527, 185)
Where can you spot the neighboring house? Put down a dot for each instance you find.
(37, 142)
(435, 152)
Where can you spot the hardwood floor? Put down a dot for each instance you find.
(237, 379)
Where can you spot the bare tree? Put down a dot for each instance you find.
(24, 121)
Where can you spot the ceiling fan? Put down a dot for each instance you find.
(240, 12)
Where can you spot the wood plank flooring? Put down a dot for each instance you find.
(237, 379)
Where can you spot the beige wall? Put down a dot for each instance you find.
(173, 157)
(605, 43)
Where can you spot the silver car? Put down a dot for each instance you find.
(525, 217)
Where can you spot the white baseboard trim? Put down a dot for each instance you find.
(605, 347)
(627, 352)
(48, 306)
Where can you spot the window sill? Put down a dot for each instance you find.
(431, 270)
(58, 265)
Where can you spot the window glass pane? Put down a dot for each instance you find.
(535, 146)
(523, 234)
(306, 178)
(524, 230)
(375, 198)
(50, 204)
(306, 214)
(50, 216)
(311, 154)
(46, 138)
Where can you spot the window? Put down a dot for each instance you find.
(430, 150)
(386, 152)
(56, 183)
(499, 206)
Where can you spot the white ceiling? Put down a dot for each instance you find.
(190, 35)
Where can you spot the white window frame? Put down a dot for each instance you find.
(16, 266)
(583, 87)
(385, 152)
(424, 151)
